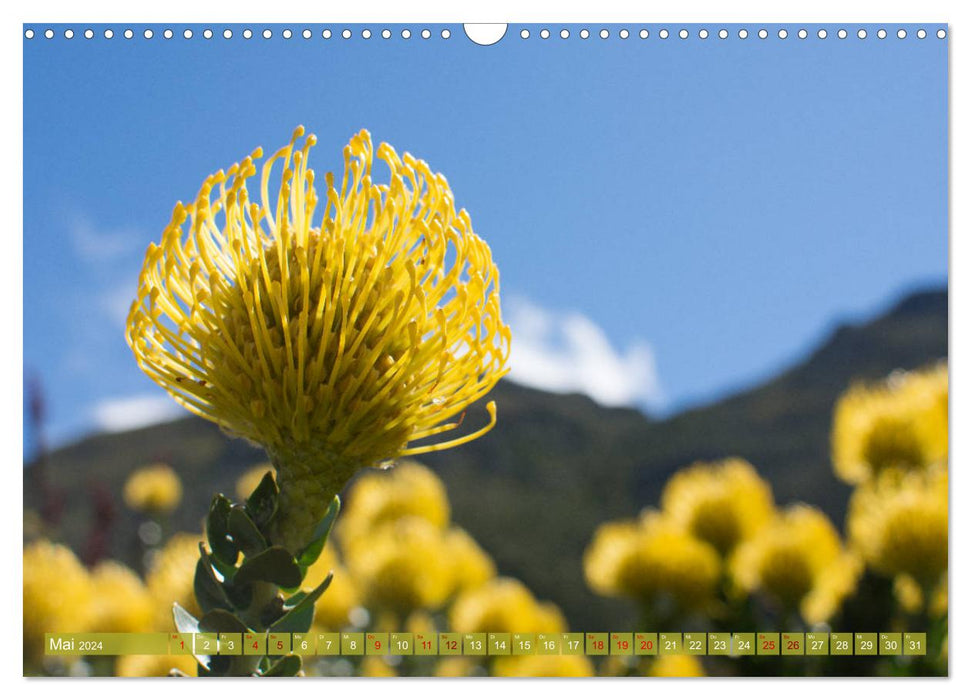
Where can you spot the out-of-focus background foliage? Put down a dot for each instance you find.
(495, 533)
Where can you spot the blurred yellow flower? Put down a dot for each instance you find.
(471, 566)
(789, 557)
(901, 423)
(332, 609)
(337, 344)
(899, 524)
(57, 594)
(376, 667)
(649, 559)
(721, 503)
(676, 666)
(121, 602)
(251, 478)
(454, 667)
(832, 586)
(139, 666)
(155, 489)
(541, 666)
(402, 566)
(170, 578)
(377, 498)
(504, 605)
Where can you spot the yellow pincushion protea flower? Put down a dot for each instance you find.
(471, 566)
(832, 587)
(787, 559)
(378, 498)
(899, 524)
(57, 594)
(542, 666)
(402, 566)
(504, 605)
(121, 602)
(899, 423)
(336, 342)
(155, 489)
(154, 666)
(721, 503)
(332, 611)
(650, 559)
(676, 666)
(170, 578)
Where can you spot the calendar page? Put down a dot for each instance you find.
(461, 350)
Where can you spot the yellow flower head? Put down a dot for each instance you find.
(471, 566)
(504, 605)
(251, 478)
(139, 666)
(408, 490)
(787, 558)
(334, 341)
(121, 601)
(155, 489)
(899, 423)
(676, 666)
(649, 559)
(541, 666)
(833, 585)
(57, 594)
(721, 503)
(899, 524)
(402, 566)
(332, 609)
(170, 578)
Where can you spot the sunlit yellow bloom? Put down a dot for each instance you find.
(402, 566)
(676, 666)
(787, 558)
(57, 594)
(721, 503)
(154, 666)
(834, 584)
(899, 423)
(649, 559)
(251, 478)
(377, 498)
(504, 605)
(542, 666)
(908, 594)
(376, 667)
(471, 566)
(455, 667)
(170, 578)
(332, 609)
(899, 524)
(155, 489)
(337, 341)
(121, 602)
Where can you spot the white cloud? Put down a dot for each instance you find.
(567, 352)
(94, 245)
(131, 412)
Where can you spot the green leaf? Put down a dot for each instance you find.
(221, 621)
(262, 504)
(184, 621)
(287, 666)
(275, 565)
(224, 549)
(309, 554)
(209, 592)
(299, 617)
(245, 533)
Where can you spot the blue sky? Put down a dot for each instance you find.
(672, 219)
